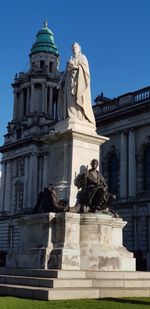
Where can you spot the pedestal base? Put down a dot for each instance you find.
(71, 242)
(73, 145)
(76, 125)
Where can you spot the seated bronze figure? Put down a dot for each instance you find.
(93, 192)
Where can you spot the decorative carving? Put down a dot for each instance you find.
(19, 186)
(20, 167)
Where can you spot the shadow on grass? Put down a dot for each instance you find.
(138, 301)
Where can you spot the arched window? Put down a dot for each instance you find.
(113, 174)
(146, 168)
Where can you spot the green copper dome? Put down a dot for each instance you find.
(44, 42)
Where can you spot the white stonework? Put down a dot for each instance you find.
(76, 125)
(72, 149)
(71, 241)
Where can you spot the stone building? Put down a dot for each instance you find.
(126, 164)
(24, 157)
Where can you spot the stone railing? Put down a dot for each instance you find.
(105, 105)
(142, 95)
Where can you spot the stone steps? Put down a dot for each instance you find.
(55, 273)
(63, 284)
(48, 283)
(73, 282)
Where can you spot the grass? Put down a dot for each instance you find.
(116, 303)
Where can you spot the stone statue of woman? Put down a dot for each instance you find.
(74, 89)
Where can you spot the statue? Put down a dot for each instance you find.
(74, 100)
(93, 191)
(48, 202)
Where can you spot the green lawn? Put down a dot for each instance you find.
(118, 303)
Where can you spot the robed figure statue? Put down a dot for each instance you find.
(74, 100)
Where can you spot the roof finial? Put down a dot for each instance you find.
(45, 23)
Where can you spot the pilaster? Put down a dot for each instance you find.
(7, 201)
(50, 105)
(15, 109)
(2, 187)
(32, 98)
(45, 169)
(26, 180)
(43, 98)
(32, 180)
(123, 165)
(132, 164)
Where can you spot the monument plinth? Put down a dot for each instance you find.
(73, 145)
(71, 241)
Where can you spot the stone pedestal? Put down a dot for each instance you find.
(71, 242)
(36, 242)
(73, 145)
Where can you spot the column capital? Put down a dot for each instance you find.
(33, 153)
(132, 129)
(125, 131)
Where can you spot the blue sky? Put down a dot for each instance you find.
(113, 34)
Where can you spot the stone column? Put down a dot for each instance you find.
(15, 108)
(50, 109)
(32, 180)
(7, 201)
(26, 179)
(45, 169)
(35, 165)
(32, 99)
(29, 181)
(43, 98)
(132, 164)
(123, 165)
(28, 100)
(2, 187)
(40, 174)
(21, 103)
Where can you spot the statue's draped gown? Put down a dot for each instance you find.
(75, 95)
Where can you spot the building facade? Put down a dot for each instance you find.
(126, 164)
(25, 159)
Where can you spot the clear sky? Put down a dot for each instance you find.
(113, 34)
